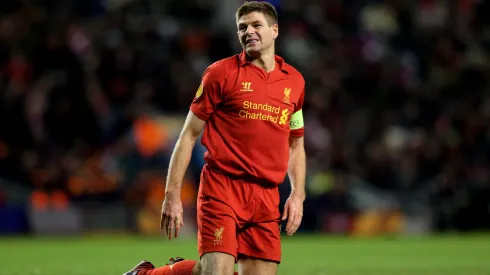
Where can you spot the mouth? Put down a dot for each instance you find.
(251, 41)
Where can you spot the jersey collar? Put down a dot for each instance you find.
(283, 66)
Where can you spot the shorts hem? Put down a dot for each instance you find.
(206, 251)
(258, 256)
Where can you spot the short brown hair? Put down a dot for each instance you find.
(263, 7)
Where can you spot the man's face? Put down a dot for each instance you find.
(255, 33)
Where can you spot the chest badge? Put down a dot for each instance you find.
(287, 91)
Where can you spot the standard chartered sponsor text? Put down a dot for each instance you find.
(260, 111)
(260, 106)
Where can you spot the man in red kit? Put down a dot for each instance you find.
(250, 107)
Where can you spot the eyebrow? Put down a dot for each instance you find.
(243, 24)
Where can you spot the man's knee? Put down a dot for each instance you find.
(217, 263)
(196, 270)
(252, 266)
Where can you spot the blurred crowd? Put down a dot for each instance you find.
(397, 98)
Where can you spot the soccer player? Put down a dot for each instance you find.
(250, 107)
(176, 266)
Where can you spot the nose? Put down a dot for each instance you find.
(250, 29)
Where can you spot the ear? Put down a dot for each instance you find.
(275, 31)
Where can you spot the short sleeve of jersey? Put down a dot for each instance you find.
(210, 92)
(297, 123)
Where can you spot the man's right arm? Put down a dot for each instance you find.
(182, 153)
(207, 98)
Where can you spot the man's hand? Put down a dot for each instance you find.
(293, 211)
(172, 215)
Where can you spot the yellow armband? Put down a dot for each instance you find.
(296, 121)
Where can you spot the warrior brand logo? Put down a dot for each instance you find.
(246, 87)
(218, 234)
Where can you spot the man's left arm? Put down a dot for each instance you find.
(297, 166)
(293, 209)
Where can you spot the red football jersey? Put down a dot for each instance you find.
(248, 117)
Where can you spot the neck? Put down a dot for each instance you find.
(265, 61)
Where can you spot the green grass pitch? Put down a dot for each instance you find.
(308, 255)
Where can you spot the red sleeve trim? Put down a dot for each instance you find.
(198, 112)
(297, 132)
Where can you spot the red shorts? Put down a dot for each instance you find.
(238, 217)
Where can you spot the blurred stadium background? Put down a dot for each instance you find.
(93, 94)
